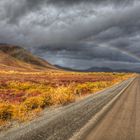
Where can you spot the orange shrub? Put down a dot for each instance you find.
(62, 95)
(6, 111)
(34, 102)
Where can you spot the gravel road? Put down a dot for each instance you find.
(64, 122)
(122, 122)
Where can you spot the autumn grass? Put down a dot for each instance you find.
(23, 97)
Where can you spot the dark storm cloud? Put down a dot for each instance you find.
(14, 9)
(87, 52)
(125, 21)
(129, 19)
(99, 31)
(116, 32)
(69, 2)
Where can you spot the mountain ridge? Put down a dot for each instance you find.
(17, 58)
(98, 69)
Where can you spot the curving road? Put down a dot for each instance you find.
(112, 114)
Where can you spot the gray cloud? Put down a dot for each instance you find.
(95, 2)
(102, 31)
(87, 52)
(15, 9)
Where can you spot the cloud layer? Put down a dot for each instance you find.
(75, 33)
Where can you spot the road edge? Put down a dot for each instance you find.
(98, 116)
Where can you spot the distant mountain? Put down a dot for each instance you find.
(99, 69)
(93, 69)
(65, 68)
(17, 58)
(105, 69)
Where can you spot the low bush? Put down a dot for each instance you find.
(34, 102)
(62, 95)
(6, 111)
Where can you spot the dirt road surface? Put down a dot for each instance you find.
(119, 119)
(122, 122)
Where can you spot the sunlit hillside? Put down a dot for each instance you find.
(16, 58)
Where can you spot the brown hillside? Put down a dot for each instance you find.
(17, 58)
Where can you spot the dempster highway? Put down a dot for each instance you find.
(112, 114)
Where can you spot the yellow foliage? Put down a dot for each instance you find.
(6, 111)
(62, 95)
(34, 102)
(34, 96)
(20, 113)
(21, 86)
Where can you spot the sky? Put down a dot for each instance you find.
(75, 33)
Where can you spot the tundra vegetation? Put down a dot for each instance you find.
(23, 95)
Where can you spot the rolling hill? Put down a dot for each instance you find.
(17, 58)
